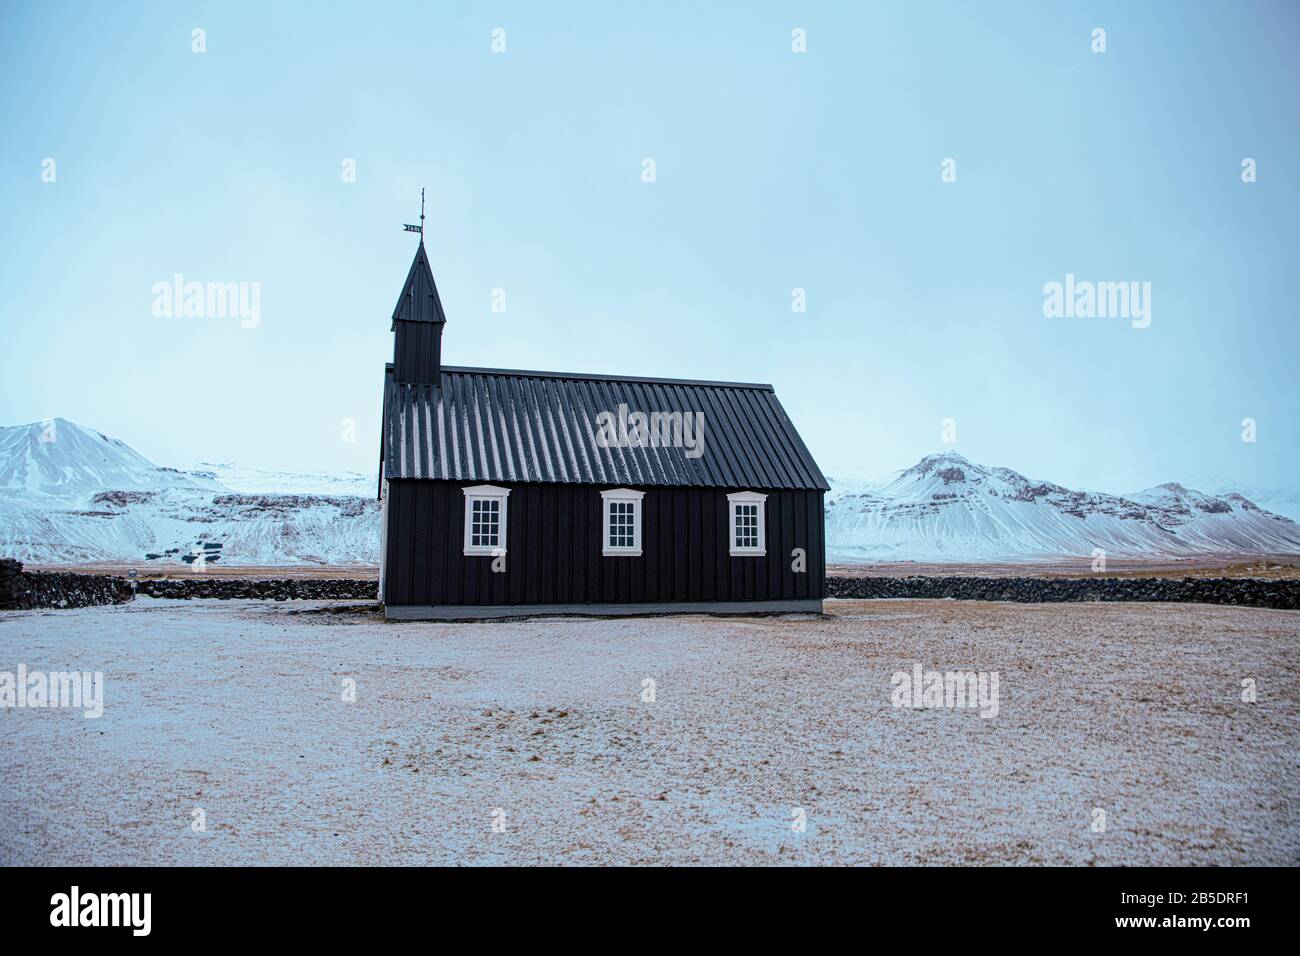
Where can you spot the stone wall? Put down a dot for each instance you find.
(1250, 592)
(11, 579)
(39, 589)
(24, 590)
(265, 589)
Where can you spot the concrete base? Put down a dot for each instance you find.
(471, 612)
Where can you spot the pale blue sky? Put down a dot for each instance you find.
(775, 170)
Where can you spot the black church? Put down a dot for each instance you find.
(512, 492)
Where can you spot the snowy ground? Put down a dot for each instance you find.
(236, 709)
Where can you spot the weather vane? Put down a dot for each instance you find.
(420, 227)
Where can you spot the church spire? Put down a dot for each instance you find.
(419, 300)
(418, 320)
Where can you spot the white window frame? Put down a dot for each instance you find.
(747, 498)
(627, 495)
(485, 493)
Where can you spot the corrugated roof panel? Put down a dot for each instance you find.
(506, 426)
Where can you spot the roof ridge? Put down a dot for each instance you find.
(593, 377)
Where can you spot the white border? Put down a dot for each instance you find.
(486, 493)
(621, 494)
(747, 498)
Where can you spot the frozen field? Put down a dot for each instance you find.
(236, 708)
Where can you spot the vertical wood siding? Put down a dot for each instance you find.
(554, 549)
(417, 348)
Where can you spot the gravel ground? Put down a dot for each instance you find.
(235, 708)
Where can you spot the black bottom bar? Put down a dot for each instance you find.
(940, 906)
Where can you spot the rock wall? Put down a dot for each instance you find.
(265, 589)
(24, 590)
(1250, 592)
(11, 576)
(39, 589)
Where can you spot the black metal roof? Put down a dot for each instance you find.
(520, 426)
(419, 301)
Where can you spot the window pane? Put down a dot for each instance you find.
(484, 522)
(745, 521)
(622, 518)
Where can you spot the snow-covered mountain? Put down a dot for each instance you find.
(69, 494)
(255, 480)
(60, 459)
(945, 508)
(1277, 500)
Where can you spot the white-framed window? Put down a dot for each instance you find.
(748, 524)
(485, 519)
(621, 529)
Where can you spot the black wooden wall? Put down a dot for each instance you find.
(417, 351)
(554, 549)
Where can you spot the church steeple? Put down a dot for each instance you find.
(417, 325)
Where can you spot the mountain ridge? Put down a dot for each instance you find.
(947, 508)
(70, 494)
